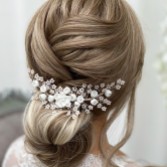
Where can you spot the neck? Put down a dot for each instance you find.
(97, 128)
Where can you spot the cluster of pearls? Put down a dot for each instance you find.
(74, 99)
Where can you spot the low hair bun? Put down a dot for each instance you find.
(49, 132)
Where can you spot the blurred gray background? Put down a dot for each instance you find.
(149, 138)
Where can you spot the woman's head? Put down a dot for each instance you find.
(76, 42)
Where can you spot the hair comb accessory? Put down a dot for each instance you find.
(75, 99)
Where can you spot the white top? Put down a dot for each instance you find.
(17, 156)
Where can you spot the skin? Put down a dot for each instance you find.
(98, 124)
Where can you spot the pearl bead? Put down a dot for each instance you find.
(94, 102)
(67, 90)
(51, 98)
(108, 93)
(42, 97)
(94, 93)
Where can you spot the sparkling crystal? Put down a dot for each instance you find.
(90, 107)
(105, 101)
(94, 93)
(42, 97)
(48, 83)
(74, 89)
(84, 106)
(78, 92)
(89, 86)
(60, 89)
(47, 106)
(102, 85)
(119, 81)
(118, 87)
(101, 98)
(99, 105)
(73, 97)
(96, 86)
(52, 80)
(94, 102)
(67, 90)
(51, 91)
(87, 111)
(36, 76)
(108, 86)
(80, 99)
(108, 93)
(104, 108)
(122, 82)
(108, 102)
(54, 86)
(84, 85)
(81, 90)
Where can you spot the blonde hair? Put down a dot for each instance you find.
(76, 42)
